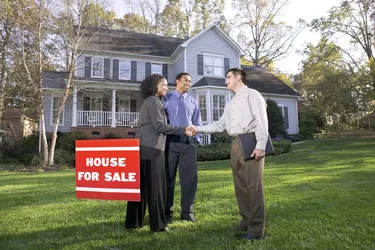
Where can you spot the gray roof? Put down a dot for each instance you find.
(54, 79)
(131, 42)
(258, 78)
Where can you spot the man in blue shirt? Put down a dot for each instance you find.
(182, 151)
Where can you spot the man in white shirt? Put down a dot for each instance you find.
(245, 113)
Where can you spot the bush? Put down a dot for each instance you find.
(63, 157)
(282, 147)
(67, 141)
(214, 152)
(112, 135)
(221, 137)
(27, 158)
(276, 125)
(310, 121)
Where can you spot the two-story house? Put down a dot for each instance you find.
(106, 95)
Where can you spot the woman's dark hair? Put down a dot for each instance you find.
(149, 86)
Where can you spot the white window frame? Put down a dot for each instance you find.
(92, 66)
(204, 119)
(121, 76)
(220, 109)
(156, 72)
(52, 110)
(221, 57)
(282, 106)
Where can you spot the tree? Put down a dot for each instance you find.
(8, 23)
(327, 84)
(276, 124)
(356, 20)
(134, 22)
(35, 20)
(207, 12)
(73, 34)
(264, 39)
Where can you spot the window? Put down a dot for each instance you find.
(56, 102)
(156, 68)
(284, 111)
(124, 70)
(97, 67)
(218, 104)
(123, 104)
(213, 65)
(203, 107)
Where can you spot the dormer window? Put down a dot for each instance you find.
(97, 67)
(213, 65)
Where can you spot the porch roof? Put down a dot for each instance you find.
(259, 79)
(56, 80)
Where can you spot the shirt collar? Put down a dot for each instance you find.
(178, 94)
(242, 89)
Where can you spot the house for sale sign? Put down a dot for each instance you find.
(108, 169)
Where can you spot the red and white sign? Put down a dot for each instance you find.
(108, 169)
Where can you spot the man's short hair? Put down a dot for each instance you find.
(238, 71)
(178, 77)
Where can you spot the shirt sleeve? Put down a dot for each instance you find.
(258, 107)
(218, 126)
(157, 119)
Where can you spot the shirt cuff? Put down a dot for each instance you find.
(261, 145)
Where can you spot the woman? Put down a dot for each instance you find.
(151, 130)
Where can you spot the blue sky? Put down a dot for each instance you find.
(306, 9)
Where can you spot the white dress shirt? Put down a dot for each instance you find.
(245, 113)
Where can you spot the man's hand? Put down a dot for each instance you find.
(191, 130)
(258, 153)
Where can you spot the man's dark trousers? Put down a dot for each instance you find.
(182, 153)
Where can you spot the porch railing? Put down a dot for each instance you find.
(104, 118)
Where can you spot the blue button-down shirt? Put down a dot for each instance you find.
(183, 110)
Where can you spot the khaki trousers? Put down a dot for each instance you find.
(248, 186)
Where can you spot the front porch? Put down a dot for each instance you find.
(105, 108)
(105, 119)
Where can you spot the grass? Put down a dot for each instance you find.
(321, 196)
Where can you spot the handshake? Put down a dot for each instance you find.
(191, 130)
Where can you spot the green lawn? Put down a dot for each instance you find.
(321, 196)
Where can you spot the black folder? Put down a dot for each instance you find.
(248, 142)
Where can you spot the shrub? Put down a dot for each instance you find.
(310, 121)
(213, 152)
(276, 125)
(27, 158)
(63, 157)
(67, 141)
(282, 147)
(112, 135)
(221, 137)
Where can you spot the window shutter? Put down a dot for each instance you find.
(88, 66)
(115, 69)
(107, 66)
(133, 71)
(226, 66)
(148, 69)
(165, 71)
(200, 64)
(286, 117)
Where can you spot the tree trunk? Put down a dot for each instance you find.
(44, 139)
(51, 160)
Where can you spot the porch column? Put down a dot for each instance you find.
(74, 113)
(113, 124)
